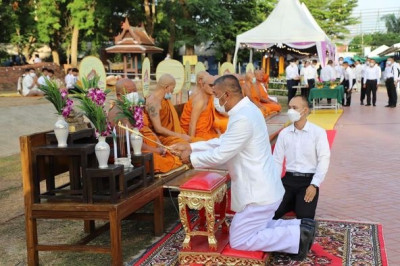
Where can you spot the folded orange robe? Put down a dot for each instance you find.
(273, 106)
(162, 164)
(256, 98)
(204, 125)
(220, 121)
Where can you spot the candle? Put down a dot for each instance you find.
(128, 144)
(115, 144)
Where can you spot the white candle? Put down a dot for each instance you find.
(128, 144)
(115, 144)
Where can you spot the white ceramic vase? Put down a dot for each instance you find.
(102, 150)
(136, 142)
(61, 131)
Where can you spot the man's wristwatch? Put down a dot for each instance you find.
(314, 185)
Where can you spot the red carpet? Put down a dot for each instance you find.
(336, 243)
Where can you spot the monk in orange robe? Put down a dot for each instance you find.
(197, 118)
(249, 89)
(164, 120)
(264, 98)
(163, 160)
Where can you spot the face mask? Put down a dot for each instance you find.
(367, 63)
(253, 80)
(218, 107)
(293, 115)
(133, 97)
(168, 96)
(372, 64)
(340, 62)
(389, 63)
(32, 75)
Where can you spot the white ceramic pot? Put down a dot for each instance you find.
(61, 131)
(136, 142)
(102, 150)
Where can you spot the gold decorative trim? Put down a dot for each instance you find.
(186, 258)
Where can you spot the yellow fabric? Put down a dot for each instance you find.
(325, 118)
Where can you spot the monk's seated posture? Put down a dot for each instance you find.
(164, 161)
(251, 91)
(197, 118)
(164, 120)
(264, 98)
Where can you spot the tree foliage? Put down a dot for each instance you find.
(392, 23)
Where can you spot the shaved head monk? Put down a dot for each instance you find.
(200, 80)
(264, 98)
(163, 160)
(197, 118)
(163, 117)
(253, 93)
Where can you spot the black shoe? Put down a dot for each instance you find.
(306, 236)
(388, 105)
(312, 223)
(374, 104)
(392, 106)
(368, 104)
(361, 103)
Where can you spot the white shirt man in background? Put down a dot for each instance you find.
(257, 191)
(328, 73)
(292, 78)
(339, 69)
(29, 84)
(348, 83)
(43, 77)
(391, 76)
(358, 74)
(372, 75)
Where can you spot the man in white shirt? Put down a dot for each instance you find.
(305, 147)
(363, 88)
(37, 59)
(348, 83)
(391, 76)
(358, 74)
(71, 78)
(310, 76)
(244, 150)
(372, 74)
(43, 77)
(328, 73)
(292, 78)
(339, 69)
(29, 84)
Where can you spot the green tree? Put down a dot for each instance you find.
(392, 23)
(333, 16)
(374, 40)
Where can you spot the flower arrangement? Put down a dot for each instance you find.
(92, 101)
(319, 85)
(132, 109)
(58, 97)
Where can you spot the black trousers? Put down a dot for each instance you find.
(306, 91)
(391, 91)
(347, 94)
(372, 87)
(293, 200)
(363, 91)
(291, 91)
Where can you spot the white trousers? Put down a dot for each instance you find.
(253, 229)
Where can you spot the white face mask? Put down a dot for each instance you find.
(218, 107)
(340, 62)
(372, 64)
(168, 96)
(254, 80)
(133, 97)
(367, 63)
(32, 75)
(293, 115)
(389, 63)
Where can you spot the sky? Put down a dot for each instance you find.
(370, 12)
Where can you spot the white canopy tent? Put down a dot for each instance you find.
(395, 48)
(289, 24)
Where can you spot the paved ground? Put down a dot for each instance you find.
(363, 181)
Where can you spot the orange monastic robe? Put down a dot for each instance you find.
(256, 98)
(273, 106)
(220, 121)
(204, 126)
(162, 164)
(170, 120)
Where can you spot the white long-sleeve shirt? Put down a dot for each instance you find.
(349, 75)
(328, 73)
(358, 72)
(42, 80)
(371, 73)
(292, 72)
(245, 151)
(310, 72)
(306, 151)
(391, 71)
(70, 81)
(339, 72)
(28, 84)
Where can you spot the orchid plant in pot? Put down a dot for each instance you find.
(92, 103)
(58, 96)
(131, 108)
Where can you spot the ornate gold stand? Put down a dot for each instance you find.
(203, 201)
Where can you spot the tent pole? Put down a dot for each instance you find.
(251, 56)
